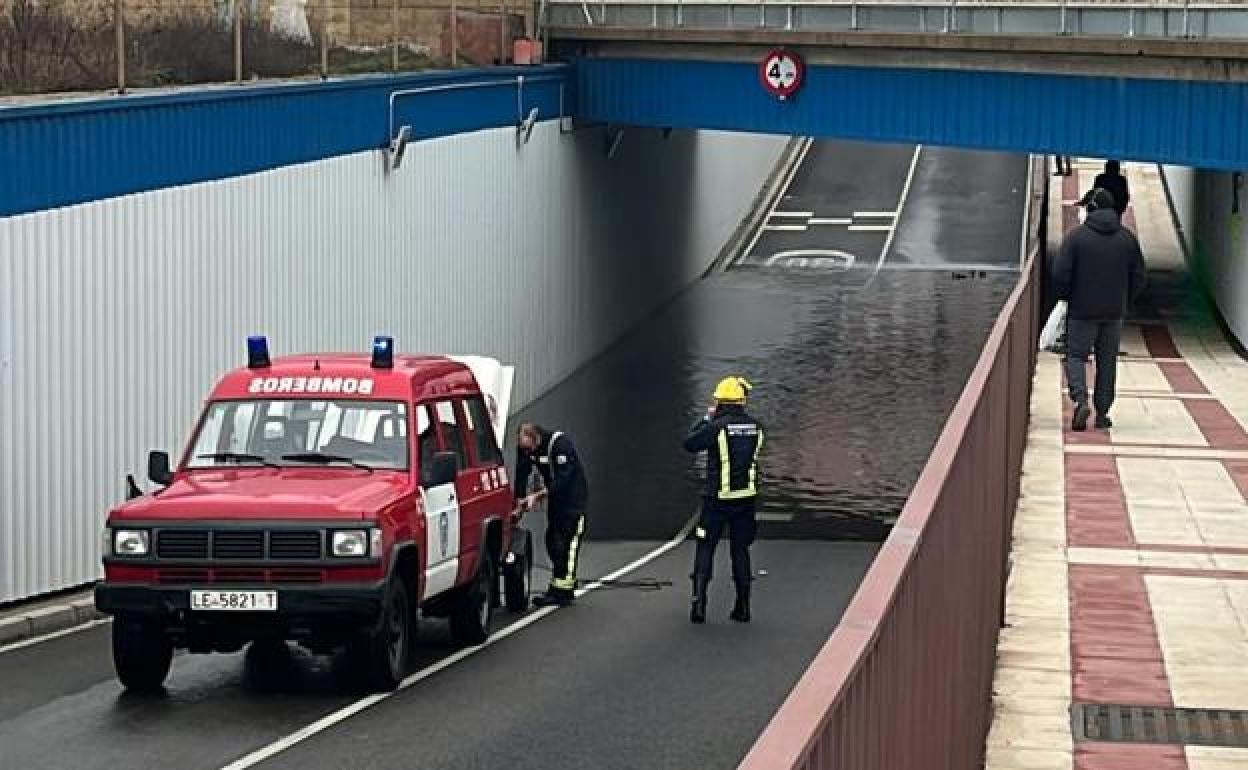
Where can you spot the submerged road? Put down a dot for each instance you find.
(856, 367)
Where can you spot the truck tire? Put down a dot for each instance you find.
(473, 606)
(385, 650)
(518, 577)
(141, 656)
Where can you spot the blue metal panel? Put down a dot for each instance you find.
(58, 154)
(1203, 124)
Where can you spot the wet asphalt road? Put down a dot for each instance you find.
(854, 378)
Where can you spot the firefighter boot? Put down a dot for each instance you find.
(697, 612)
(554, 597)
(741, 610)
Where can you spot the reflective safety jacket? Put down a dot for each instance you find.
(560, 467)
(732, 441)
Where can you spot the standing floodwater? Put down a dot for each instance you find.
(852, 384)
(857, 360)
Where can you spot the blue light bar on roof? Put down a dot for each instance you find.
(383, 352)
(257, 352)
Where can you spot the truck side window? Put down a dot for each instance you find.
(426, 442)
(452, 439)
(478, 419)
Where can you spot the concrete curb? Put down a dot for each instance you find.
(19, 624)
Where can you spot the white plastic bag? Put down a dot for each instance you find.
(1054, 328)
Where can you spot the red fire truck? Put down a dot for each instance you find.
(326, 499)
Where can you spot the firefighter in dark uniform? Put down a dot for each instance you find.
(732, 440)
(567, 493)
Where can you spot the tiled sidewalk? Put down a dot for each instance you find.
(1129, 578)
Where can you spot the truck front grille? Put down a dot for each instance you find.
(228, 544)
(238, 544)
(295, 544)
(182, 544)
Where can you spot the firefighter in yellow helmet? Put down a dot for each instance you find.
(732, 440)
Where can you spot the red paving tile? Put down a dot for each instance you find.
(1115, 654)
(1159, 342)
(1070, 191)
(1096, 511)
(1239, 472)
(1129, 756)
(1218, 425)
(1181, 377)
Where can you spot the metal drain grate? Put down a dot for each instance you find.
(1154, 724)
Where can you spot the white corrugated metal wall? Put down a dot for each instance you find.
(1210, 206)
(117, 316)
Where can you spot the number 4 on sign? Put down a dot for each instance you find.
(782, 73)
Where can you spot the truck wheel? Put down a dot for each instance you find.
(141, 656)
(473, 607)
(518, 578)
(387, 648)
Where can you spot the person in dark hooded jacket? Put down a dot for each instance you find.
(1100, 273)
(1113, 182)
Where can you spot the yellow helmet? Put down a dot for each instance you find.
(732, 390)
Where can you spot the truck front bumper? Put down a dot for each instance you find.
(321, 602)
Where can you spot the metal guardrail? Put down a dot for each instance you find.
(905, 679)
(1172, 19)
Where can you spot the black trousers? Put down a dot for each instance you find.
(563, 546)
(738, 516)
(1082, 337)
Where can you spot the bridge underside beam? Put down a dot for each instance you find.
(1112, 57)
(1193, 123)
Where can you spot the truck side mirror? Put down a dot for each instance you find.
(132, 488)
(442, 470)
(158, 468)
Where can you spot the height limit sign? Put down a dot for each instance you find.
(782, 73)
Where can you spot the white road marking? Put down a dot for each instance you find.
(841, 259)
(794, 214)
(774, 516)
(901, 204)
(786, 228)
(341, 715)
(871, 228)
(877, 214)
(830, 221)
(54, 635)
(784, 188)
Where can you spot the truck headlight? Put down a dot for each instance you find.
(350, 542)
(131, 542)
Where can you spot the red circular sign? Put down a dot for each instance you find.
(782, 73)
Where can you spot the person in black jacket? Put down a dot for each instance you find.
(732, 440)
(1100, 273)
(1113, 182)
(567, 493)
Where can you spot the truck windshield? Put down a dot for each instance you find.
(371, 434)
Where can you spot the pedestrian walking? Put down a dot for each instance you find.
(1100, 273)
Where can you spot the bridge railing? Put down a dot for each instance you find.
(1169, 19)
(905, 679)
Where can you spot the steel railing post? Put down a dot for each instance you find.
(119, 23)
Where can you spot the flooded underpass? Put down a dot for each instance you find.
(856, 364)
(855, 370)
